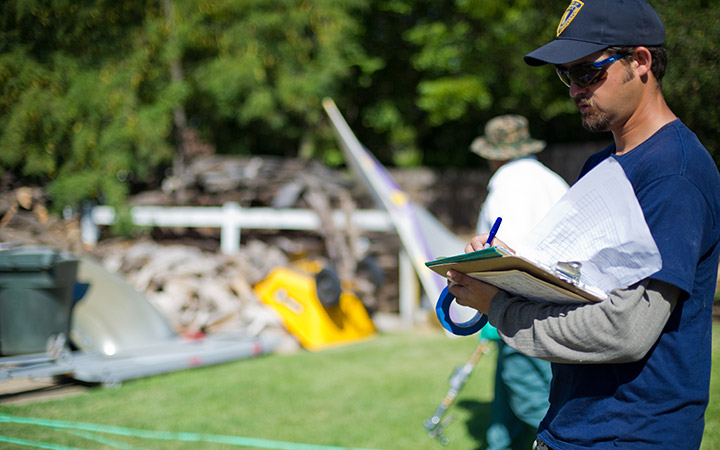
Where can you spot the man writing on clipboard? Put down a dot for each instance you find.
(632, 371)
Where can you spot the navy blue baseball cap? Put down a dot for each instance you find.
(590, 26)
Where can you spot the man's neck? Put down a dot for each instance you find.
(651, 115)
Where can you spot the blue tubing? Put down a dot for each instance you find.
(442, 309)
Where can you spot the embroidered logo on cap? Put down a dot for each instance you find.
(570, 13)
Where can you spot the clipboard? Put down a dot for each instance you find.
(520, 276)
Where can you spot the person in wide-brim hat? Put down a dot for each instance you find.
(506, 137)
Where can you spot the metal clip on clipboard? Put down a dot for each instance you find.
(568, 271)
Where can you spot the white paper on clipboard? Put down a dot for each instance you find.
(600, 224)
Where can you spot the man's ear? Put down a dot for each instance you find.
(642, 61)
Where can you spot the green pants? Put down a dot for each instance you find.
(522, 385)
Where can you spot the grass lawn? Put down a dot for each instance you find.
(369, 395)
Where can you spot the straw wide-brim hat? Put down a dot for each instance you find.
(506, 137)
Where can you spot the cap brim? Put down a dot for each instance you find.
(562, 51)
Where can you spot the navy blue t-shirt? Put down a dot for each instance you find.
(658, 402)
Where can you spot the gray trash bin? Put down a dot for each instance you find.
(36, 298)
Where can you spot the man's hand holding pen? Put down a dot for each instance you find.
(479, 242)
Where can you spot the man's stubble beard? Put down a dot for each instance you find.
(596, 121)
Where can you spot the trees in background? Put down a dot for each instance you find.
(462, 64)
(85, 102)
(92, 91)
(102, 97)
(691, 85)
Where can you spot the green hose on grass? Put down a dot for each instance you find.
(148, 434)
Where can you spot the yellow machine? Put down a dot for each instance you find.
(314, 307)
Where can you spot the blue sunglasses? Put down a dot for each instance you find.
(588, 73)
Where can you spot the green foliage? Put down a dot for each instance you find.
(691, 85)
(384, 117)
(449, 98)
(75, 107)
(88, 97)
(469, 58)
(124, 226)
(458, 64)
(267, 65)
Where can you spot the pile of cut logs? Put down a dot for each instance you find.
(198, 290)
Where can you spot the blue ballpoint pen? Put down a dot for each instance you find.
(493, 232)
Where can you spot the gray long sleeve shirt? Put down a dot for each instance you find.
(620, 329)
